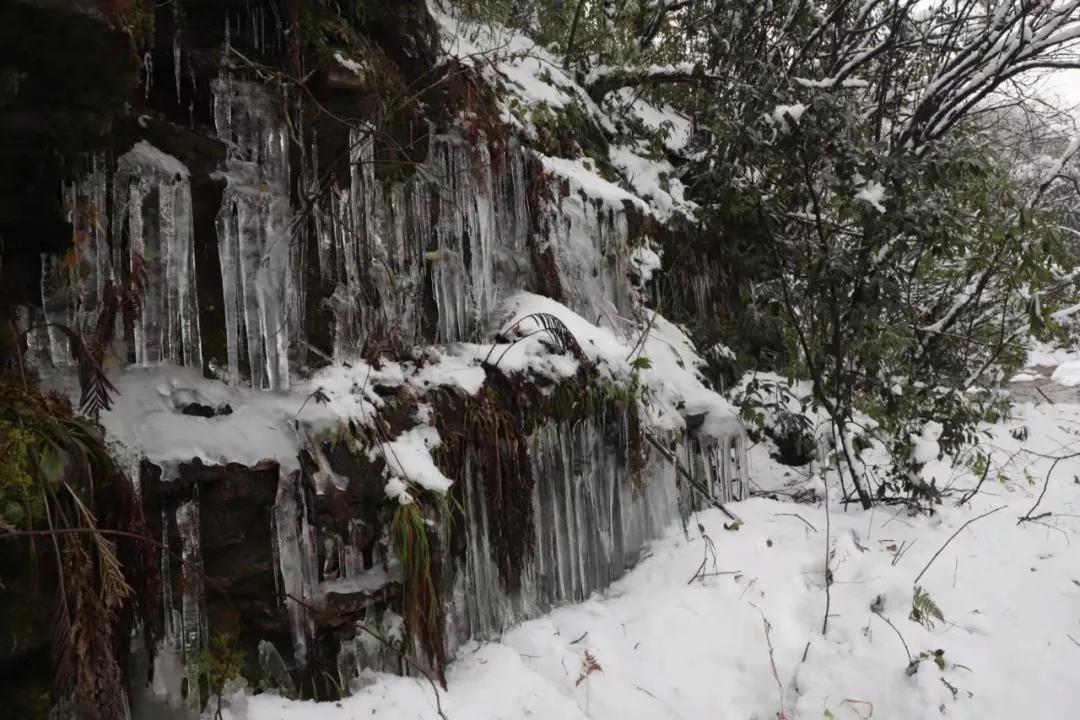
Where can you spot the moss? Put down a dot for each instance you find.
(568, 132)
(221, 661)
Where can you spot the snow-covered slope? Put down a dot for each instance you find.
(670, 643)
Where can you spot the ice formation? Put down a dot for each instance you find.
(254, 234)
(435, 257)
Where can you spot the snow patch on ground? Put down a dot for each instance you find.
(1067, 373)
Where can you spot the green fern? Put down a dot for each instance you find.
(924, 610)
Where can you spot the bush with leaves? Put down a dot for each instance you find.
(73, 510)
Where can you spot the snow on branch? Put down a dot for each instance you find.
(1056, 170)
(602, 80)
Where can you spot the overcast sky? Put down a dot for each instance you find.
(1066, 84)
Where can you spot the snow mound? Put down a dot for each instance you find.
(1067, 373)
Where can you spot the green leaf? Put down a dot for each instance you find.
(641, 363)
(52, 462)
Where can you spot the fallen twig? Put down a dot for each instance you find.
(772, 659)
(710, 554)
(974, 490)
(701, 489)
(895, 630)
(797, 515)
(951, 537)
(1042, 494)
(904, 547)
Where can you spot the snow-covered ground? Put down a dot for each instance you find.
(732, 644)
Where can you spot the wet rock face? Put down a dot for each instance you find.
(232, 562)
(65, 75)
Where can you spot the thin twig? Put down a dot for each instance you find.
(828, 572)
(689, 478)
(772, 658)
(951, 537)
(797, 515)
(889, 623)
(973, 491)
(1042, 494)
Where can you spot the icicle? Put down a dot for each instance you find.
(177, 64)
(167, 328)
(194, 630)
(227, 49)
(148, 67)
(54, 305)
(172, 635)
(254, 243)
(296, 553)
(590, 524)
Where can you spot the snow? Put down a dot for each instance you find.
(873, 194)
(676, 127)
(583, 177)
(731, 645)
(925, 447)
(1044, 355)
(787, 116)
(408, 457)
(653, 179)
(830, 83)
(143, 153)
(349, 64)
(646, 261)
(533, 75)
(672, 378)
(147, 417)
(531, 81)
(1067, 373)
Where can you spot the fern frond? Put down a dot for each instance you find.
(924, 610)
(95, 390)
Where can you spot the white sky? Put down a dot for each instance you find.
(1066, 85)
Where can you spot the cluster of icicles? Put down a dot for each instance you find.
(461, 229)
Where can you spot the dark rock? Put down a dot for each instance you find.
(206, 411)
(235, 509)
(198, 410)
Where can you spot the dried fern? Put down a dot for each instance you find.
(589, 665)
(924, 610)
